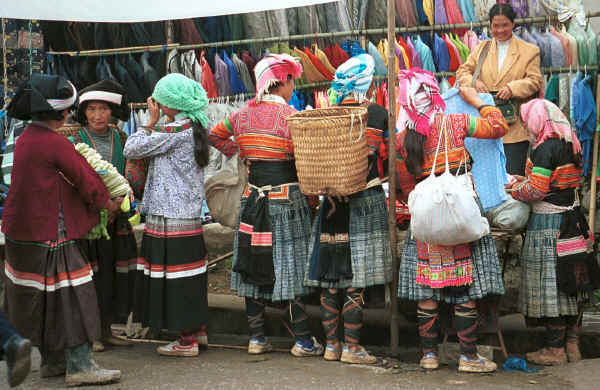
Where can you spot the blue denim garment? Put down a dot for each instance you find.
(237, 86)
(441, 56)
(585, 118)
(489, 162)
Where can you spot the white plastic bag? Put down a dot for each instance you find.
(511, 215)
(443, 209)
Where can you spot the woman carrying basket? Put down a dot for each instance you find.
(272, 239)
(351, 249)
(429, 274)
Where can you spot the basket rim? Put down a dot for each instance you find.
(304, 114)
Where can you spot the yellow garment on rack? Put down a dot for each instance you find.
(383, 48)
(323, 58)
(310, 70)
(429, 10)
(283, 48)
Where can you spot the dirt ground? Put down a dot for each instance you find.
(219, 276)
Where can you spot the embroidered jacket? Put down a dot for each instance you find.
(490, 125)
(552, 174)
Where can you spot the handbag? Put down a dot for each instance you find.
(443, 208)
(508, 107)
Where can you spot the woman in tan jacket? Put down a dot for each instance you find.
(511, 68)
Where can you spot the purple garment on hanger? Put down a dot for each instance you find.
(440, 13)
(521, 7)
(414, 55)
(401, 64)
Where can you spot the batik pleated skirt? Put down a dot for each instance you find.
(369, 238)
(291, 224)
(171, 281)
(114, 263)
(539, 295)
(487, 274)
(50, 294)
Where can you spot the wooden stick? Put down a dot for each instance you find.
(220, 258)
(593, 184)
(391, 36)
(225, 346)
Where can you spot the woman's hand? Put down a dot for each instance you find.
(504, 93)
(470, 96)
(480, 87)
(114, 208)
(154, 110)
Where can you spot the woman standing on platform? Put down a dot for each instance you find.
(509, 67)
(431, 274)
(172, 281)
(351, 248)
(55, 198)
(113, 261)
(558, 262)
(271, 242)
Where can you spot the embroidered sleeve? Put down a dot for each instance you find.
(221, 138)
(491, 124)
(539, 176)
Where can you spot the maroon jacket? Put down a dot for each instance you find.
(47, 169)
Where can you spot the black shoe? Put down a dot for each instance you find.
(17, 352)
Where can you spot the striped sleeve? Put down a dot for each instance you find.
(538, 185)
(491, 124)
(221, 138)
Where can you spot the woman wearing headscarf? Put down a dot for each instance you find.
(172, 281)
(271, 247)
(432, 274)
(54, 199)
(351, 249)
(114, 260)
(558, 262)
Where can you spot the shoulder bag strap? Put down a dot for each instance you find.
(482, 57)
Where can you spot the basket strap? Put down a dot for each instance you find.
(268, 188)
(352, 126)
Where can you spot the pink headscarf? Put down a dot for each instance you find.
(274, 68)
(545, 120)
(418, 100)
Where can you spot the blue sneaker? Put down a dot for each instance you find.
(257, 346)
(307, 348)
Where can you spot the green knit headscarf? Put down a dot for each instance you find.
(183, 94)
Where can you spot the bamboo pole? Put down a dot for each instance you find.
(394, 326)
(593, 184)
(372, 31)
(224, 346)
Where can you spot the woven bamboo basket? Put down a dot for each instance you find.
(330, 147)
(71, 130)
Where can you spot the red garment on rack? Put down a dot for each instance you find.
(250, 64)
(188, 34)
(336, 55)
(208, 78)
(454, 57)
(454, 15)
(318, 64)
(406, 48)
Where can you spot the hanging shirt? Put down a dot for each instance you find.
(552, 90)
(414, 54)
(237, 86)
(222, 77)
(425, 55)
(380, 68)
(489, 162)
(468, 10)
(441, 56)
(408, 52)
(440, 12)
(208, 78)
(242, 70)
(585, 118)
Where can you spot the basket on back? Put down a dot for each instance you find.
(330, 148)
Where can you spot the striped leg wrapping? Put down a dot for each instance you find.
(299, 320)
(429, 329)
(466, 328)
(255, 310)
(330, 314)
(353, 316)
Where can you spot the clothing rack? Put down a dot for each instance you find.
(361, 32)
